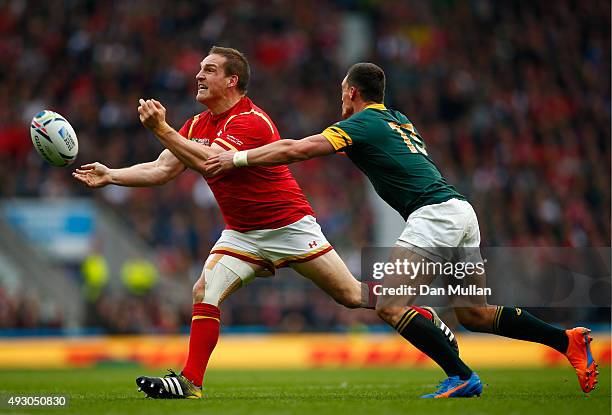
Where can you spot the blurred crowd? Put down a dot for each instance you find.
(284, 303)
(512, 99)
(22, 310)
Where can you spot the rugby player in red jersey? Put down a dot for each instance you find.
(270, 224)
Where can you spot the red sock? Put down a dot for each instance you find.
(202, 341)
(423, 312)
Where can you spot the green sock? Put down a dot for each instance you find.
(519, 324)
(429, 339)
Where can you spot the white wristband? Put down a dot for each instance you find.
(240, 158)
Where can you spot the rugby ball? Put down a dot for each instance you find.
(54, 138)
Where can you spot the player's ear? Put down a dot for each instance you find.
(232, 81)
(352, 92)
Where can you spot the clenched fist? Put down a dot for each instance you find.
(153, 115)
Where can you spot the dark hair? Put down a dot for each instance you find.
(235, 64)
(369, 79)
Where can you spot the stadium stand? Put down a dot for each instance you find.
(516, 114)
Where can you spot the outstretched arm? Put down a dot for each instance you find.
(153, 173)
(273, 154)
(193, 155)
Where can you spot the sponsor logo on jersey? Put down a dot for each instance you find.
(204, 141)
(233, 140)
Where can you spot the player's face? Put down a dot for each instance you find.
(212, 82)
(347, 102)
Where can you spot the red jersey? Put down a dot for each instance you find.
(256, 197)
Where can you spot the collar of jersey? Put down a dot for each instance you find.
(376, 107)
(237, 106)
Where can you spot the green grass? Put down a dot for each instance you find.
(112, 390)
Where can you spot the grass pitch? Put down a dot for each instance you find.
(341, 391)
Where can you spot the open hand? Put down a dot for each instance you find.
(93, 175)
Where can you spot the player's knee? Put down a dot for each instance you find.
(197, 294)
(221, 278)
(473, 318)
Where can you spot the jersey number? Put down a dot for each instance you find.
(412, 140)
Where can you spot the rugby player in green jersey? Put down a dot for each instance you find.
(385, 145)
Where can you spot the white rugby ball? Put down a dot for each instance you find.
(54, 138)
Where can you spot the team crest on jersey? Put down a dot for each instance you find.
(205, 141)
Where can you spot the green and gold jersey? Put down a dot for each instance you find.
(384, 144)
